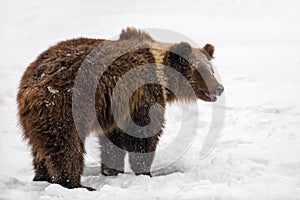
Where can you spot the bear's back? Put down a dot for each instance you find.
(47, 85)
(59, 64)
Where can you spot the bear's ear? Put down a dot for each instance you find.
(209, 50)
(183, 49)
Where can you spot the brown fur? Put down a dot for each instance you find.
(209, 50)
(45, 104)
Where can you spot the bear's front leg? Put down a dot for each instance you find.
(141, 164)
(141, 154)
(112, 155)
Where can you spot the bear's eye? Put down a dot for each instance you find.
(203, 66)
(211, 70)
(208, 66)
(201, 70)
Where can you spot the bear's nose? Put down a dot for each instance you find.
(219, 90)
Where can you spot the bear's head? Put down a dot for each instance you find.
(196, 67)
(194, 64)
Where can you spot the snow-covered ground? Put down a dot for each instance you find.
(257, 55)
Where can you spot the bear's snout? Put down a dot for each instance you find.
(219, 90)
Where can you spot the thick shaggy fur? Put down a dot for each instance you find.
(45, 104)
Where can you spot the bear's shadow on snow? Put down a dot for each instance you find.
(172, 169)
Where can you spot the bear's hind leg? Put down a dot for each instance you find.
(41, 172)
(66, 165)
(58, 158)
(112, 155)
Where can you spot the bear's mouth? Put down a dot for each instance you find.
(210, 96)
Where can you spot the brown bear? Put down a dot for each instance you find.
(56, 128)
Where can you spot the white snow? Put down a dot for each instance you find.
(52, 90)
(257, 56)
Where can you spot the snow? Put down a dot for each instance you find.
(257, 56)
(52, 91)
